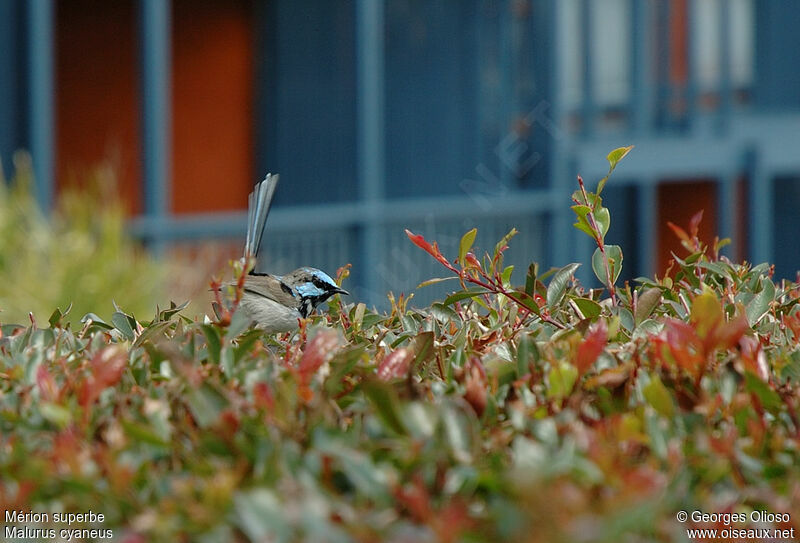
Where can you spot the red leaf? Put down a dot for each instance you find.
(694, 223)
(432, 250)
(680, 340)
(419, 241)
(793, 323)
(475, 385)
(48, 390)
(319, 351)
(106, 369)
(753, 357)
(680, 232)
(728, 334)
(395, 364)
(593, 344)
(416, 499)
(263, 397)
(471, 260)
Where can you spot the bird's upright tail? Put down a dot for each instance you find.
(258, 204)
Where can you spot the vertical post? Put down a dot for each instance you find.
(588, 106)
(642, 47)
(371, 131)
(41, 111)
(154, 31)
(647, 202)
(509, 107)
(762, 202)
(693, 89)
(726, 210)
(725, 59)
(561, 178)
(665, 88)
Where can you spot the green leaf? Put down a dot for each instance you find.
(244, 344)
(341, 365)
(506, 275)
(384, 399)
(173, 310)
(626, 319)
(459, 428)
(603, 220)
(444, 313)
(613, 158)
(659, 397)
(760, 304)
(582, 212)
(768, 398)
(213, 341)
(466, 244)
(422, 346)
(206, 403)
(614, 255)
(55, 414)
(142, 433)
(646, 302)
(530, 278)
(592, 200)
(503, 243)
(55, 318)
(364, 474)
(435, 280)
(464, 294)
(561, 379)
(558, 284)
(123, 324)
(152, 333)
(527, 354)
(718, 268)
(528, 302)
(96, 322)
(260, 515)
(239, 323)
(589, 308)
(226, 357)
(618, 154)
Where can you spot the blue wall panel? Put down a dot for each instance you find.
(777, 53)
(306, 93)
(431, 82)
(12, 88)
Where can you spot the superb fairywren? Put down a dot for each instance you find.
(275, 302)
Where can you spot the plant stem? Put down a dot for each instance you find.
(598, 238)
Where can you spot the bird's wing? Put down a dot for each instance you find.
(258, 204)
(270, 287)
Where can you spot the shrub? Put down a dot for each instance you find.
(542, 412)
(81, 257)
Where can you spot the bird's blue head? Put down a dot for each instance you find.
(311, 287)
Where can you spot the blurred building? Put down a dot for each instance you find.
(436, 116)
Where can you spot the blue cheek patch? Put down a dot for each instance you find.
(309, 290)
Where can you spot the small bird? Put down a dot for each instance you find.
(273, 302)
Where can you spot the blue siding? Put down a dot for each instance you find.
(12, 89)
(307, 93)
(778, 54)
(156, 55)
(785, 224)
(432, 79)
(41, 96)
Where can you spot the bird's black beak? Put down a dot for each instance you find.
(340, 290)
